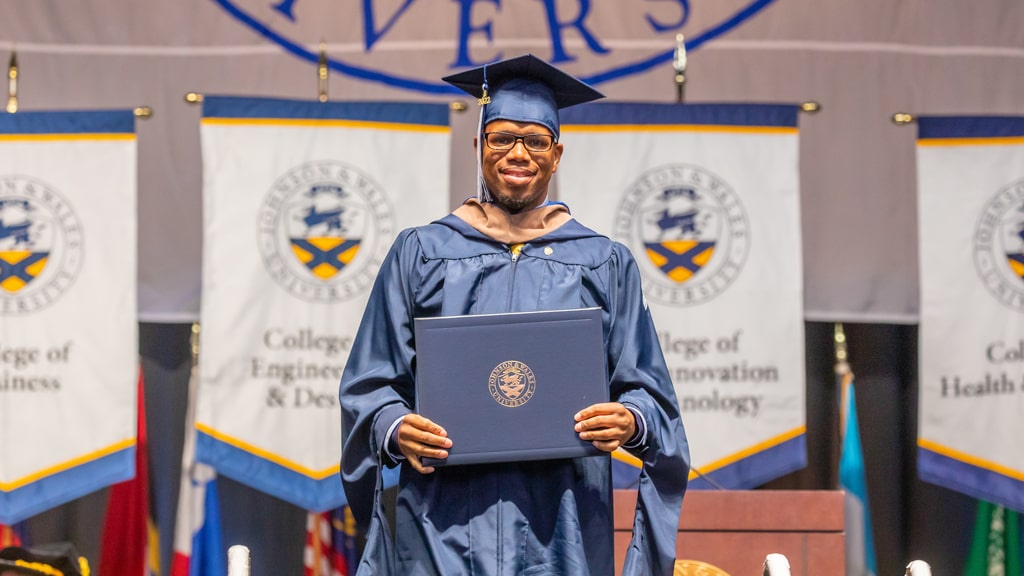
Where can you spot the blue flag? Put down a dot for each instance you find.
(860, 544)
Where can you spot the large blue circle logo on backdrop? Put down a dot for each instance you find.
(282, 21)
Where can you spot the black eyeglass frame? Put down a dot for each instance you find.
(521, 138)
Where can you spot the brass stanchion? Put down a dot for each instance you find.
(321, 73)
(193, 341)
(679, 65)
(12, 84)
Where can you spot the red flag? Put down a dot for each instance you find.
(330, 543)
(126, 527)
(8, 537)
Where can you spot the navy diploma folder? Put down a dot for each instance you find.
(506, 386)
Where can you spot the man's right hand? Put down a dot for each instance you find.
(419, 437)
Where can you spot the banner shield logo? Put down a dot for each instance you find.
(683, 219)
(323, 249)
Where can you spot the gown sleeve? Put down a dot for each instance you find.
(377, 386)
(640, 378)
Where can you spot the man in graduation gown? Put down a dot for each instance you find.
(510, 250)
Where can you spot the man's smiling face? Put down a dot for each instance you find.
(518, 178)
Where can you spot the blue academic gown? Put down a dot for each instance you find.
(524, 518)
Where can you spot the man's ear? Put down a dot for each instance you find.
(558, 157)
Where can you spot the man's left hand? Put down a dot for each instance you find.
(608, 425)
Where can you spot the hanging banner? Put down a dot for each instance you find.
(970, 173)
(707, 199)
(68, 324)
(301, 203)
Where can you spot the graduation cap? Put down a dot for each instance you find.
(520, 89)
(51, 560)
(523, 89)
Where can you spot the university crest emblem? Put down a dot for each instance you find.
(512, 383)
(40, 245)
(324, 228)
(999, 245)
(689, 230)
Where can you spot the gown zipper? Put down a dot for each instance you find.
(514, 251)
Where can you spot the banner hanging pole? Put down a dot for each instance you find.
(810, 107)
(903, 118)
(12, 83)
(322, 73)
(193, 341)
(679, 65)
(842, 368)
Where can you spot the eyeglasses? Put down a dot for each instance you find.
(507, 141)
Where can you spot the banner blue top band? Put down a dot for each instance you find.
(279, 108)
(644, 113)
(969, 127)
(69, 122)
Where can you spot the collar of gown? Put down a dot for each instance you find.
(492, 221)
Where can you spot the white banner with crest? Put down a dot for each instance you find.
(971, 202)
(68, 327)
(707, 199)
(301, 203)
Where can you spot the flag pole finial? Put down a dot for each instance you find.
(193, 341)
(842, 358)
(12, 83)
(322, 73)
(679, 65)
(843, 373)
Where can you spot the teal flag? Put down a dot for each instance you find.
(860, 542)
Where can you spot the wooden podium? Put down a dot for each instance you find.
(735, 529)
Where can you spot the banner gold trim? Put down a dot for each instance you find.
(969, 459)
(267, 455)
(750, 451)
(74, 462)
